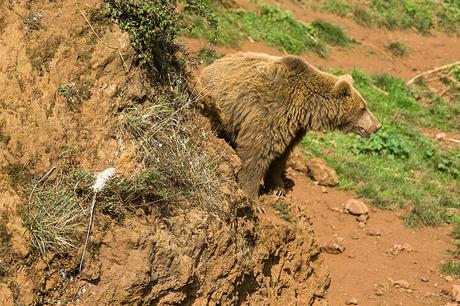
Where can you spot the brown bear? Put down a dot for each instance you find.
(268, 103)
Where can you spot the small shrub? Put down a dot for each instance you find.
(153, 26)
(283, 209)
(397, 49)
(384, 143)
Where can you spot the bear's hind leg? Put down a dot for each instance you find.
(275, 181)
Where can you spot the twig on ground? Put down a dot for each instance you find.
(431, 71)
(380, 90)
(104, 43)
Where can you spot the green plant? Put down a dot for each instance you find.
(397, 49)
(153, 26)
(331, 33)
(451, 268)
(283, 209)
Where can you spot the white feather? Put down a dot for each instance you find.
(102, 178)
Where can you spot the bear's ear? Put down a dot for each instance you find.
(348, 78)
(342, 88)
(296, 63)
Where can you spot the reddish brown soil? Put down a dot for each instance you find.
(367, 267)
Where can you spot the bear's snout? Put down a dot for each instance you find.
(367, 124)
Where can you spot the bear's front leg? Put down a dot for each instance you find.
(253, 168)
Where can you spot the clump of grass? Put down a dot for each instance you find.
(397, 49)
(283, 209)
(54, 213)
(75, 93)
(172, 142)
(331, 33)
(451, 268)
(398, 165)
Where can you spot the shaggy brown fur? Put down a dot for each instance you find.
(268, 104)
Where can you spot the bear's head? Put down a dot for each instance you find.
(356, 116)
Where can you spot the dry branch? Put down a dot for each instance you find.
(431, 71)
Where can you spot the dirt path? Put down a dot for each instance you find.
(384, 262)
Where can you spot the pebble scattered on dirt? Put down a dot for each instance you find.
(352, 301)
(356, 207)
(334, 247)
(456, 293)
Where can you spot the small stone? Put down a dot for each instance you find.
(322, 173)
(352, 301)
(324, 189)
(424, 279)
(336, 209)
(379, 292)
(362, 218)
(373, 232)
(333, 247)
(449, 278)
(351, 256)
(361, 224)
(456, 293)
(356, 207)
(401, 284)
(355, 237)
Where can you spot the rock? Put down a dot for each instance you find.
(398, 248)
(324, 189)
(297, 161)
(355, 236)
(6, 296)
(449, 279)
(334, 247)
(362, 218)
(356, 207)
(361, 224)
(373, 232)
(322, 173)
(424, 279)
(456, 293)
(352, 301)
(379, 292)
(336, 209)
(401, 284)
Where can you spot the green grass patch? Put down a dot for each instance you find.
(421, 15)
(397, 49)
(331, 34)
(398, 166)
(451, 268)
(273, 25)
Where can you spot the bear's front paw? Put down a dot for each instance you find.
(278, 191)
